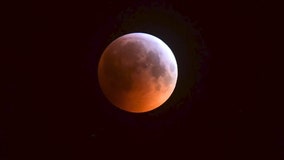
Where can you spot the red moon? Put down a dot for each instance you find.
(137, 72)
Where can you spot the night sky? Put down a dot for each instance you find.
(222, 106)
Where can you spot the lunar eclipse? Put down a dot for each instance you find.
(137, 72)
(154, 79)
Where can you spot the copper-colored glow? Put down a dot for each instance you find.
(137, 72)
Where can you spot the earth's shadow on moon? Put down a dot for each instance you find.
(135, 75)
(122, 80)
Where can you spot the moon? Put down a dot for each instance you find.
(137, 72)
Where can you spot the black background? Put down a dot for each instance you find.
(222, 107)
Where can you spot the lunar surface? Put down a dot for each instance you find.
(137, 72)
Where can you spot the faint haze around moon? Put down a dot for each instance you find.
(137, 72)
